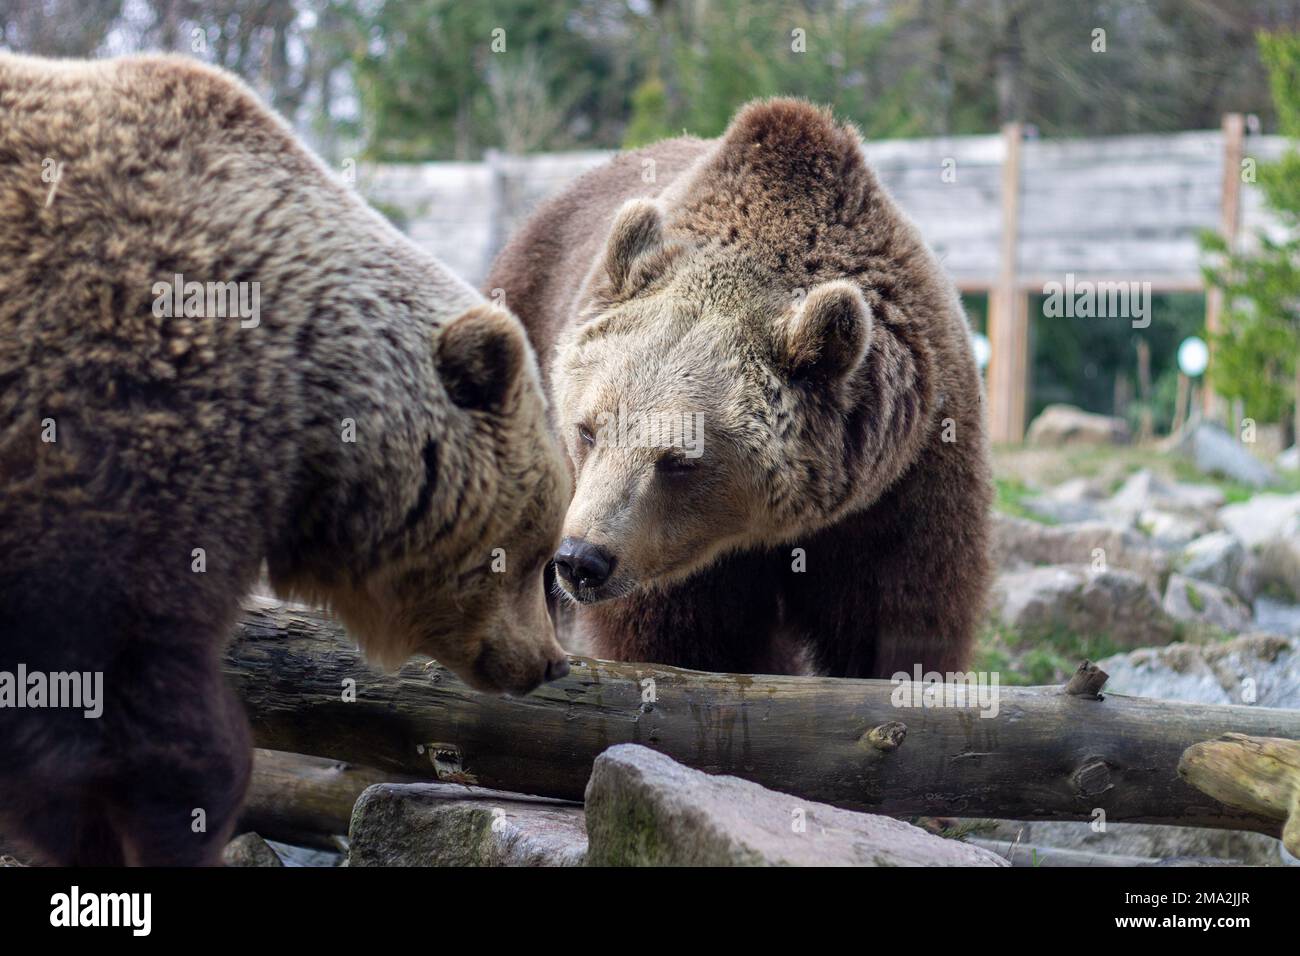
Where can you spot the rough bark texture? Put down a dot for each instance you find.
(1046, 755)
(1257, 775)
(306, 801)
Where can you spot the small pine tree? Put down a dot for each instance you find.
(1255, 356)
(649, 121)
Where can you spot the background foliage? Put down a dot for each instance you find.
(406, 80)
(1256, 353)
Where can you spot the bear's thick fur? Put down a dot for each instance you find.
(837, 517)
(374, 433)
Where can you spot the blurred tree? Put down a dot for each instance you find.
(1255, 356)
(447, 79)
(649, 114)
(708, 57)
(420, 79)
(290, 51)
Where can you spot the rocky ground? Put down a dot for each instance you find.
(1177, 569)
(1183, 583)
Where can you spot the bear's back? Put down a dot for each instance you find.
(131, 433)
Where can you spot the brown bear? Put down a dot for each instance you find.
(214, 354)
(832, 512)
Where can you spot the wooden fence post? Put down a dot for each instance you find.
(1009, 309)
(1234, 131)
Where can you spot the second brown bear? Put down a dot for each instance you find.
(768, 395)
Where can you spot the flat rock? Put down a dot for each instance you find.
(419, 824)
(645, 809)
(1074, 599)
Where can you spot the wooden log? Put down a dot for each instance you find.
(1045, 755)
(1259, 775)
(1087, 681)
(303, 800)
(308, 801)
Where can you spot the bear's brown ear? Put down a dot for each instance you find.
(480, 355)
(826, 336)
(638, 229)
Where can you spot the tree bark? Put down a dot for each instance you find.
(1046, 755)
(1258, 775)
(305, 800)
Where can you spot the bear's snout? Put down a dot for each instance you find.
(583, 566)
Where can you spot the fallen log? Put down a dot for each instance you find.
(858, 744)
(306, 801)
(1258, 775)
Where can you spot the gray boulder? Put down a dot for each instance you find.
(249, 849)
(1073, 599)
(1060, 425)
(1218, 558)
(1277, 567)
(421, 825)
(1215, 451)
(1018, 543)
(1201, 602)
(1078, 499)
(1277, 617)
(1169, 529)
(645, 809)
(1260, 518)
(1144, 490)
(1259, 669)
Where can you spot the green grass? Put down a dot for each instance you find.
(1037, 659)
(1113, 466)
(1011, 494)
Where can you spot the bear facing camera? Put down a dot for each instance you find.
(766, 388)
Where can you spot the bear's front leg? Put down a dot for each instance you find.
(175, 756)
(898, 586)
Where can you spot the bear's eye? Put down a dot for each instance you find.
(675, 465)
(584, 433)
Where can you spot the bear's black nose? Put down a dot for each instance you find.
(557, 669)
(583, 565)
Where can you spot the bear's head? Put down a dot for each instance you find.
(447, 543)
(746, 366)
